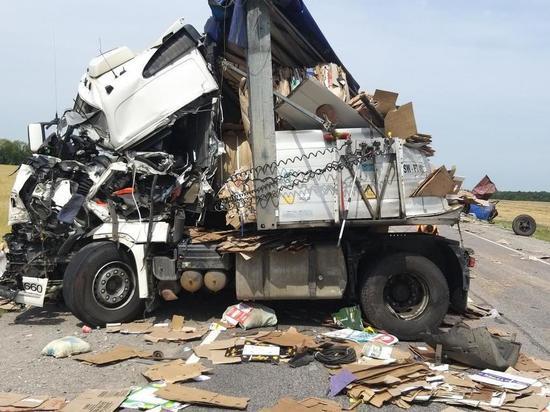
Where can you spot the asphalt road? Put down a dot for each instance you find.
(510, 275)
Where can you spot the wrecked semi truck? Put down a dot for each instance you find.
(162, 177)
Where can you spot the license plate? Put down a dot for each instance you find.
(34, 290)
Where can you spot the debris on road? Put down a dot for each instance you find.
(144, 398)
(187, 394)
(349, 317)
(305, 405)
(476, 347)
(175, 371)
(12, 402)
(117, 354)
(97, 400)
(67, 346)
(249, 316)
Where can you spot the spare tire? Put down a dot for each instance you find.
(405, 295)
(100, 285)
(524, 225)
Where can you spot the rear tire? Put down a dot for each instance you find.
(100, 285)
(524, 225)
(405, 295)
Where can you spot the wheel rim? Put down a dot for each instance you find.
(524, 225)
(114, 285)
(406, 295)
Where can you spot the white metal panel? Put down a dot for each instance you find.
(314, 200)
(325, 198)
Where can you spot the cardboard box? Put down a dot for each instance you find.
(400, 122)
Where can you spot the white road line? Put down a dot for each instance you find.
(533, 258)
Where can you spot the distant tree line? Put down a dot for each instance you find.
(13, 152)
(519, 195)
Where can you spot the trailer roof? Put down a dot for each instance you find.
(290, 20)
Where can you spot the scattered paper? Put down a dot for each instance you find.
(261, 350)
(377, 351)
(358, 336)
(145, 398)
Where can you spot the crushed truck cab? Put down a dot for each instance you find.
(160, 182)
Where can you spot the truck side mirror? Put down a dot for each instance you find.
(36, 135)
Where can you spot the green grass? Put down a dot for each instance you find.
(6, 183)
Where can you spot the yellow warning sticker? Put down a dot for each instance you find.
(370, 193)
(289, 199)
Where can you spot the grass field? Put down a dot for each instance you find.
(6, 182)
(540, 211)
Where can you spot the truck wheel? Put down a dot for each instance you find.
(405, 295)
(524, 225)
(100, 285)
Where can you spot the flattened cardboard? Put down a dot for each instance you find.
(196, 396)
(289, 338)
(175, 371)
(544, 364)
(217, 357)
(380, 398)
(526, 364)
(9, 398)
(30, 402)
(456, 381)
(320, 405)
(384, 101)
(204, 350)
(306, 405)
(401, 122)
(168, 335)
(97, 400)
(136, 328)
(117, 354)
(530, 403)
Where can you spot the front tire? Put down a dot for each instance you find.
(406, 295)
(100, 285)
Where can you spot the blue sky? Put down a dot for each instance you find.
(476, 71)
